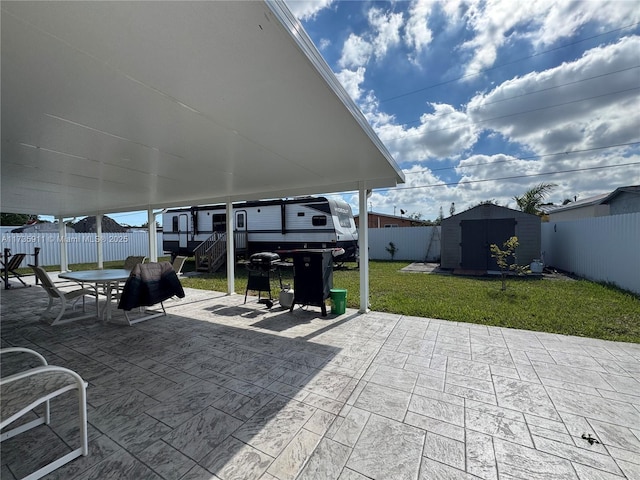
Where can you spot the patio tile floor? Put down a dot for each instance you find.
(223, 390)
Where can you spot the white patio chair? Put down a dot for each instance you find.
(65, 297)
(26, 390)
(178, 263)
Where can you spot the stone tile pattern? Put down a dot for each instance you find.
(224, 390)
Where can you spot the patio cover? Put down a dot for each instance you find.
(123, 106)
(119, 106)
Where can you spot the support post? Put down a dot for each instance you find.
(64, 259)
(363, 248)
(99, 246)
(231, 254)
(153, 236)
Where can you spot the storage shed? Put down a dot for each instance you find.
(466, 237)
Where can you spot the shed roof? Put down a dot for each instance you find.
(121, 106)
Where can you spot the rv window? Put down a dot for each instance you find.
(391, 225)
(240, 220)
(319, 220)
(219, 222)
(301, 214)
(174, 224)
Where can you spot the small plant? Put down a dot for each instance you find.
(392, 249)
(502, 257)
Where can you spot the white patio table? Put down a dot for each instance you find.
(107, 278)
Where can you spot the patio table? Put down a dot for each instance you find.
(106, 278)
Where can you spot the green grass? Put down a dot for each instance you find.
(571, 307)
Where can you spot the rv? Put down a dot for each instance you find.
(269, 225)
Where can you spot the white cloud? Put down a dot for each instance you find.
(444, 133)
(387, 30)
(351, 81)
(307, 9)
(542, 22)
(356, 52)
(417, 34)
(579, 115)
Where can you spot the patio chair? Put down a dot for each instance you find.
(30, 388)
(178, 263)
(65, 297)
(131, 261)
(10, 268)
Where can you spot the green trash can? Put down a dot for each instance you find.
(338, 301)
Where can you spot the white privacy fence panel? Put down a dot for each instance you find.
(81, 247)
(416, 244)
(603, 249)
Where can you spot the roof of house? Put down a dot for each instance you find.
(595, 200)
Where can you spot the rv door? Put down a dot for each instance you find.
(183, 230)
(241, 229)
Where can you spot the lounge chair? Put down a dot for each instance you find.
(10, 268)
(26, 390)
(178, 263)
(65, 297)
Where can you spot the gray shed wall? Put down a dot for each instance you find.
(527, 230)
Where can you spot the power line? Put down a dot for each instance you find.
(533, 92)
(514, 114)
(406, 94)
(532, 157)
(512, 177)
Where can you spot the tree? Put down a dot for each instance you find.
(392, 249)
(438, 220)
(532, 199)
(502, 259)
(16, 219)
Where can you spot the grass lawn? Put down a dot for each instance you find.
(571, 307)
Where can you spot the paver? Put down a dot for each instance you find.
(222, 390)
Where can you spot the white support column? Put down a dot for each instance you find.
(153, 233)
(363, 249)
(99, 246)
(231, 254)
(64, 259)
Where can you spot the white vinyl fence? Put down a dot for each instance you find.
(603, 249)
(416, 244)
(81, 247)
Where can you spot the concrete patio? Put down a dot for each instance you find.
(222, 390)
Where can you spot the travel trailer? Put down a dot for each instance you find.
(267, 225)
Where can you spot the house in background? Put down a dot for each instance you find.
(467, 236)
(382, 220)
(621, 200)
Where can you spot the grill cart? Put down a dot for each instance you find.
(262, 267)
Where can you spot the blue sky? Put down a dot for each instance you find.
(467, 93)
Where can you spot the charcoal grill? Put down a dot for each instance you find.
(262, 267)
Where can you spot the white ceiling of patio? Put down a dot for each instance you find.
(121, 106)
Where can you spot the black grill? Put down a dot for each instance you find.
(261, 266)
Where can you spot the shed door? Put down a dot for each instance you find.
(478, 235)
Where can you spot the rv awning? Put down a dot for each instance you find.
(121, 106)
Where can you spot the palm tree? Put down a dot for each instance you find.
(531, 200)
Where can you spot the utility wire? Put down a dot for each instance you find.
(532, 157)
(513, 114)
(532, 93)
(512, 177)
(406, 94)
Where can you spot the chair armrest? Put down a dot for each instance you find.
(23, 350)
(28, 394)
